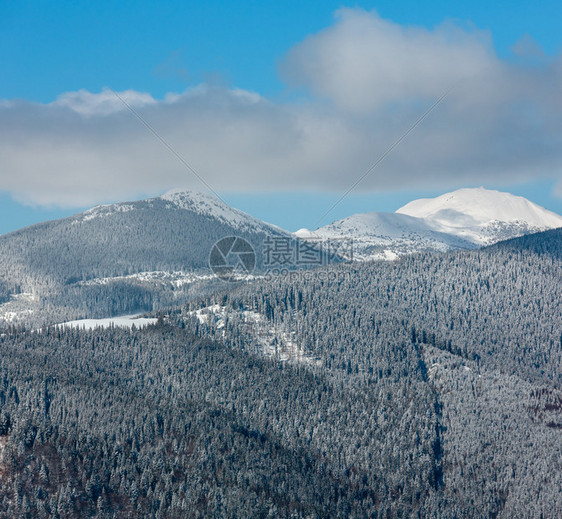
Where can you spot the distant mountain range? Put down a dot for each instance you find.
(463, 219)
(125, 257)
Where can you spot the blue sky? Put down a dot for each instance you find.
(48, 49)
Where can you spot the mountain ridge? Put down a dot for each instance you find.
(134, 256)
(462, 219)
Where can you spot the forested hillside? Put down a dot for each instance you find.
(486, 328)
(425, 387)
(158, 423)
(500, 307)
(149, 235)
(120, 258)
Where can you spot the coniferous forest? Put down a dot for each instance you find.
(426, 387)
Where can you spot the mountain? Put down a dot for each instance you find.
(172, 232)
(120, 258)
(135, 256)
(482, 216)
(387, 235)
(463, 219)
(427, 387)
(193, 202)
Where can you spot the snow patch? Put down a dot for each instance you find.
(176, 278)
(103, 211)
(18, 307)
(124, 321)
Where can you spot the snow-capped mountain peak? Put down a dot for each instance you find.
(462, 219)
(208, 205)
(465, 218)
(185, 200)
(482, 216)
(212, 206)
(305, 233)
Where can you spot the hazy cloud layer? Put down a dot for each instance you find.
(367, 80)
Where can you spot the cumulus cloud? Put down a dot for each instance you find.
(368, 80)
(364, 62)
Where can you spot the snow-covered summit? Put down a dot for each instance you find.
(462, 219)
(391, 225)
(212, 206)
(193, 201)
(208, 205)
(482, 216)
(483, 205)
(305, 233)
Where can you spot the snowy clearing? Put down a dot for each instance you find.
(124, 321)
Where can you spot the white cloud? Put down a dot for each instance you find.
(364, 62)
(104, 103)
(369, 80)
